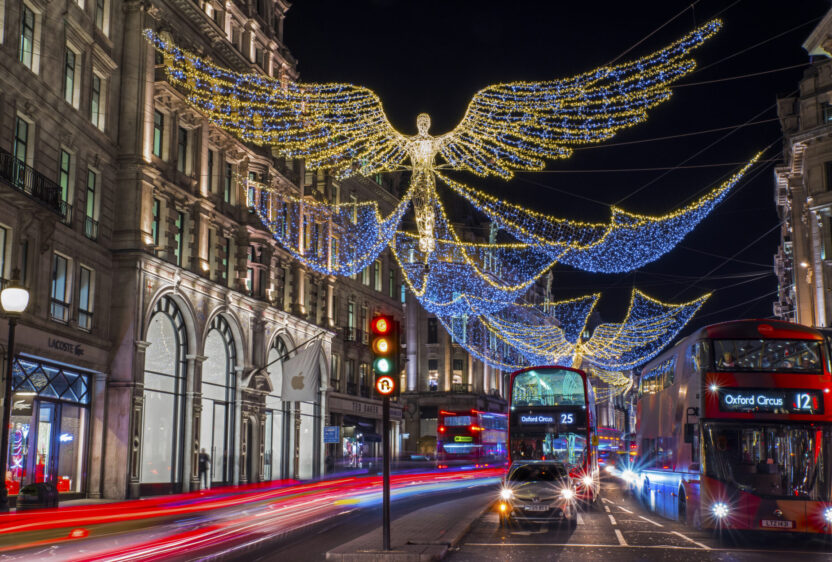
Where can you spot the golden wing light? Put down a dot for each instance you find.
(515, 126)
(337, 127)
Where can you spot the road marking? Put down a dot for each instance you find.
(612, 519)
(699, 544)
(621, 540)
(638, 546)
(608, 501)
(607, 508)
(580, 519)
(625, 509)
(651, 521)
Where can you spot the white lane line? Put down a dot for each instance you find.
(607, 508)
(621, 540)
(651, 521)
(699, 544)
(625, 509)
(608, 501)
(580, 519)
(612, 519)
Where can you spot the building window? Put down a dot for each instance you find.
(5, 243)
(351, 315)
(85, 297)
(377, 276)
(158, 133)
(182, 150)
(97, 105)
(226, 261)
(250, 280)
(90, 221)
(335, 373)
(457, 371)
(178, 238)
(333, 247)
(59, 309)
(65, 180)
(154, 226)
(433, 374)
(392, 283)
(70, 74)
(350, 376)
(212, 173)
(21, 140)
(364, 381)
(354, 204)
(228, 180)
(101, 16)
(365, 325)
(26, 54)
(828, 166)
(433, 330)
(365, 276)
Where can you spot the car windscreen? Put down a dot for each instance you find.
(537, 473)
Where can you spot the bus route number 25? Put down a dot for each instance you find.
(567, 418)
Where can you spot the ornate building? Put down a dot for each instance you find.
(803, 190)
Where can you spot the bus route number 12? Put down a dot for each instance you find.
(804, 401)
(567, 418)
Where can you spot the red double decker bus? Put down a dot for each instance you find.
(471, 435)
(734, 429)
(552, 418)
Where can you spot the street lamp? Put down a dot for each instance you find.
(13, 300)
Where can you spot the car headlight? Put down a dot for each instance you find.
(609, 468)
(506, 494)
(720, 510)
(567, 493)
(587, 480)
(629, 476)
(827, 515)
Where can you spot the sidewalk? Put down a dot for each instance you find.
(419, 536)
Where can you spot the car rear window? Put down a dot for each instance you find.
(536, 473)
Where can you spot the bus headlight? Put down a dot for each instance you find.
(506, 494)
(629, 476)
(567, 493)
(827, 515)
(720, 510)
(587, 480)
(610, 468)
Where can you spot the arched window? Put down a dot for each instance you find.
(164, 384)
(219, 388)
(278, 421)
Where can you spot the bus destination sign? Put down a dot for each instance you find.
(561, 418)
(769, 400)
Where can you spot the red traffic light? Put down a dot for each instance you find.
(381, 325)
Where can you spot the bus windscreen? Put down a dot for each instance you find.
(548, 387)
(792, 356)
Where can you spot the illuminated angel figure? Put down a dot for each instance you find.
(507, 127)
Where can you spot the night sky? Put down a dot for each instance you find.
(433, 55)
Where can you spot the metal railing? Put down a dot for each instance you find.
(90, 228)
(356, 335)
(29, 181)
(66, 212)
(460, 387)
(365, 391)
(352, 388)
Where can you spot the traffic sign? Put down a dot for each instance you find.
(385, 385)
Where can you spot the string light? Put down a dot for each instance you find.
(524, 335)
(506, 127)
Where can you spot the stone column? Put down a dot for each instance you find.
(201, 166)
(299, 290)
(193, 419)
(199, 249)
(236, 458)
(330, 302)
(98, 423)
(411, 320)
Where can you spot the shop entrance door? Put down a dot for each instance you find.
(44, 455)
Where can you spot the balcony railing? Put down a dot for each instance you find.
(460, 387)
(66, 212)
(27, 180)
(365, 391)
(356, 335)
(335, 384)
(90, 228)
(352, 388)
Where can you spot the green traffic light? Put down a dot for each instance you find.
(382, 366)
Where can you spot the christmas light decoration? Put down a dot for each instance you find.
(628, 241)
(506, 127)
(524, 335)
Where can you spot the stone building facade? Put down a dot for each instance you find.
(803, 190)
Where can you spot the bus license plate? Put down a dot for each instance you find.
(537, 507)
(776, 524)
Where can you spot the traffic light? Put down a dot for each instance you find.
(384, 341)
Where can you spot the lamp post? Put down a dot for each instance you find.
(13, 300)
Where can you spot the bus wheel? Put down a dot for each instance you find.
(683, 507)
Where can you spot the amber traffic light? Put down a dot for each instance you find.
(384, 342)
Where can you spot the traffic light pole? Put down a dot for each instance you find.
(385, 447)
